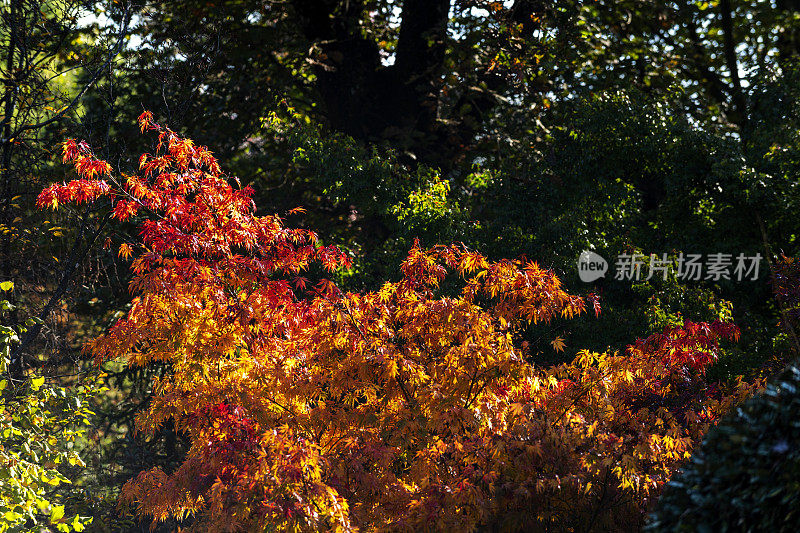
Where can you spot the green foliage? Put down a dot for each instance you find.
(620, 169)
(618, 172)
(627, 172)
(551, 128)
(772, 150)
(379, 204)
(745, 476)
(40, 424)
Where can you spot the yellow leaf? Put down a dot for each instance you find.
(125, 251)
(558, 344)
(36, 383)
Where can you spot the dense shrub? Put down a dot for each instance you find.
(40, 424)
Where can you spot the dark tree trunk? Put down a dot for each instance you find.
(370, 100)
(738, 101)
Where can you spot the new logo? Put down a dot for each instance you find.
(591, 266)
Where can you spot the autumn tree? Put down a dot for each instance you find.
(413, 406)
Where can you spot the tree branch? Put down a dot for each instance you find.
(112, 54)
(76, 256)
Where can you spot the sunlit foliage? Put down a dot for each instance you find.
(415, 406)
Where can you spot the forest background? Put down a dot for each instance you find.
(512, 129)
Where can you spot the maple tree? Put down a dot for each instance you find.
(415, 406)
